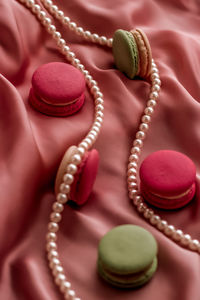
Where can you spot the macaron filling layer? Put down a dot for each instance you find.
(129, 280)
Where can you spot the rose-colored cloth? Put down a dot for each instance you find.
(32, 145)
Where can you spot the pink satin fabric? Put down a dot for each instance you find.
(32, 146)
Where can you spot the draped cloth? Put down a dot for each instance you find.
(32, 146)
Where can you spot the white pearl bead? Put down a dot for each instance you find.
(46, 22)
(154, 70)
(132, 185)
(51, 29)
(80, 67)
(79, 31)
(66, 20)
(132, 178)
(55, 217)
(99, 101)
(151, 103)
(109, 42)
(58, 207)
(53, 9)
(148, 213)
(41, 15)
(76, 159)
(149, 111)
(146, 119)
(88, 141)
(84, 145)
(51, 236)
(59, 278)
(57, 35)
(68, 178)
(36, 8)
(133, 157)
(94, 37)
(52, 254)
(132, 171)
(65, 286)
(61, 198)
(71, 169)
(64, 188)
(177, 235)
(135, 150)
(132, 165)
(153, 95)
(156, 81)
(48, 3)
(61, 43)
(30, 3)
(133, 193)
(162, 224)
(99, 107)
(71, 295)
(155, 88)
(140, 135)
(65, 50)
(81, 151)
(99, 94)
(137, 200)
(54, 262)
(144, 127)
(154, 219)
(51, 246)
(57, 270)
(53, 227)
(138, 143)
(141, 207)
(70, 55)
(169, 230)
(154, 76)
(99, 114)
(87, 34)
(194, 245)
(185, 240)
(103, 40)
(88, 78)
(60, 15)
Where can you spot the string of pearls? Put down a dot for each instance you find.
(71, 169)
(86, 34)
(176, 235)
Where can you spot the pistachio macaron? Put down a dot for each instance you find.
(127, 256)
(132, 53)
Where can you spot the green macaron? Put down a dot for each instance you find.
(127, 256)
(125, 52)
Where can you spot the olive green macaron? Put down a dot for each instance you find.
(125, 53)
(127, 256)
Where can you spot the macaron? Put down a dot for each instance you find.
(168, 179)
(132, 53)
(127, 256)
(57, 89)
(83, 179)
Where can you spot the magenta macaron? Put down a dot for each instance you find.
(57, 89)
(168, 179)
(84, 178)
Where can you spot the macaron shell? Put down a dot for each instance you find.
(55, 110)
(85, 178)
(58, 83)
(62, 167)
(148, 48)
(168, 203)
(125, 53)
(127, 249)
(122, 282)
(167, 173)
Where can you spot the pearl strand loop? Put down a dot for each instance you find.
(62, 197)
(170, 231)
(86, 34)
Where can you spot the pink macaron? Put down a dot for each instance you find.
(168, 179)
(57, 89)
(84, 178)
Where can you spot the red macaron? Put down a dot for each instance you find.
(168, 179)
(57, 89)
(83, 179)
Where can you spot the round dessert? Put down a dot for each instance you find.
(168, 179)
(132, 53)
(127, 256)
(83, 179)
(57, 89)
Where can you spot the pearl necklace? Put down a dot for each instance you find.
(61, 198)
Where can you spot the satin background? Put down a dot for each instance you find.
(32, 146)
